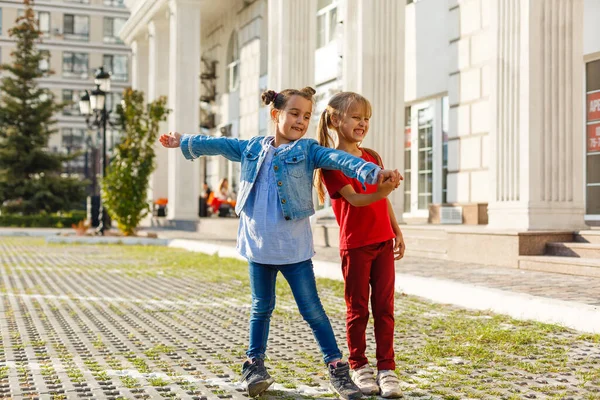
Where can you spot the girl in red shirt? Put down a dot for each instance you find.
(370, 241)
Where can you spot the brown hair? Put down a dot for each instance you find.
(338, 105)
(279, 100)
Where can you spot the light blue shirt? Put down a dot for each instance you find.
(264, 235)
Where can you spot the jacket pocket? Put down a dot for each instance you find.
(295, 165)
(249, 163)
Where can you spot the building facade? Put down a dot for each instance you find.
(78, 37)
(490, 108)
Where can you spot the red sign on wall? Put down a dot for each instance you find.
(593, 106)
(593, 137)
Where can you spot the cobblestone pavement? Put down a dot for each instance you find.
(120, 322)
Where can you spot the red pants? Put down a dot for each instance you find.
(373, 266)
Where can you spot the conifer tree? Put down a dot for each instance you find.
(30, 175)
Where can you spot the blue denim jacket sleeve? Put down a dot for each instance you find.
(194, 146)
(351, 166)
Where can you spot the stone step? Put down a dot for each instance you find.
(588, 236)
(573, 249)
(561, 265)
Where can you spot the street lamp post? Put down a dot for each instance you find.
(93, 106)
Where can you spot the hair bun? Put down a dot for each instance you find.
(309, 90)
(268, 96)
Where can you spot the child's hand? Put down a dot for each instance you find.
(386, 186)
(388, 174)
(171, 140)
(399, 246)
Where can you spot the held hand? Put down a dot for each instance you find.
(171, 140)
(385, 187)
(395, 175)
(399, 246)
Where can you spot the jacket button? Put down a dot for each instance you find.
(294, 159)
(287, 218)
(276, 168)
(282, 201)
(279, 183)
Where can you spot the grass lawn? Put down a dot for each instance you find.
(164, 322)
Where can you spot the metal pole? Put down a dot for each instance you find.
(103, 222)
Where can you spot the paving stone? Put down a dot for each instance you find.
(76, 323)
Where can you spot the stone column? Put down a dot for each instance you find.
(373, 65)
(139, 63)
(184, 70)
(158, 85)
(292, 42)
(536, 166)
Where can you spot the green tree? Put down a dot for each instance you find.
(125, 187)
(30, 176)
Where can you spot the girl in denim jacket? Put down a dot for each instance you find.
(274, 205)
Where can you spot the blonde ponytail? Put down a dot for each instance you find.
(325, 140)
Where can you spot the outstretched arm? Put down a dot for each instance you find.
(351, 166)
(384, 188)
(194, 146)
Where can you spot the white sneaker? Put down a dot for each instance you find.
(364, 377)
(389, 384)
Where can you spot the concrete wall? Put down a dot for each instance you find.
(426, 49)
(591, 27)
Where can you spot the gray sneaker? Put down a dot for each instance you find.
(341, 383)
(256, 377)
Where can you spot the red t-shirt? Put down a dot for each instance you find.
(359, 226)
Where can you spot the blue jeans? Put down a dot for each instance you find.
(301, 278)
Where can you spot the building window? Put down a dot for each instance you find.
(117, 66)
(407, 159)
(76, 27)
(112, 27)
(326, 22)
(426, 156)
(113, 100)
(43, 18)
(0, 21)
(75, 65)
(44, 64)
(445, 129)
(114, 3)
(72, 140)
(78, 1)
(71, 97)
(233, 63)
(592, 189)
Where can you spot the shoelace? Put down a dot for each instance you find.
(341, 372)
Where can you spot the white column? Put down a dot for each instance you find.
(292, 42)
(536, 166)
(184, 69)
(158, 85)
(139, 64)
(373, 65)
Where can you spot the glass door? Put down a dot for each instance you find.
(425, 156)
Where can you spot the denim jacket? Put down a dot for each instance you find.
(293, 165)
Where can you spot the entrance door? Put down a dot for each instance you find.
(425, 158)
